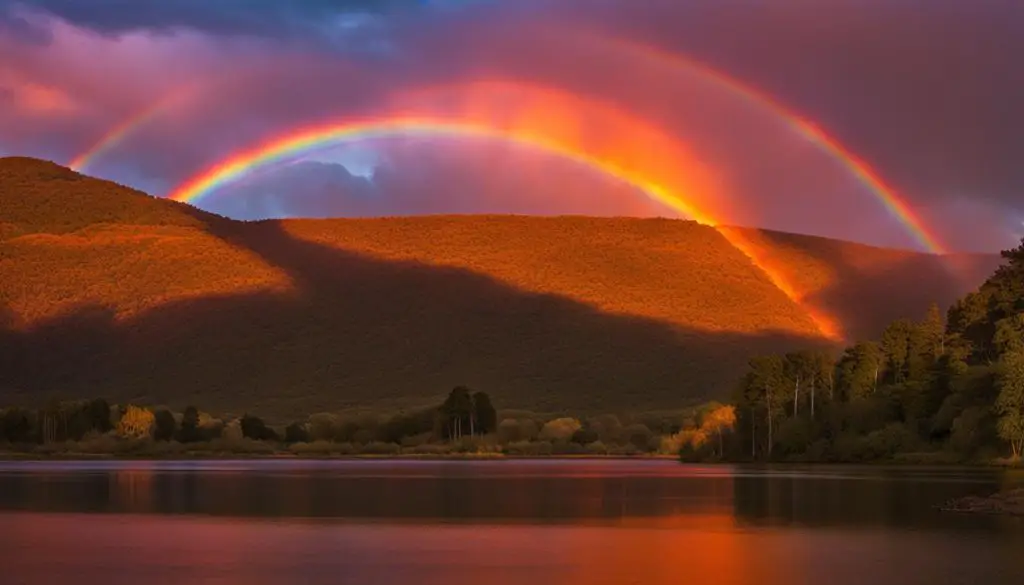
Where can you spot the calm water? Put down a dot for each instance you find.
(500, 522)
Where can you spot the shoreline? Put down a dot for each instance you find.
(7, 457)
(227, 456)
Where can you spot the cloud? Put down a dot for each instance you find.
(926, 94)
(269, 18)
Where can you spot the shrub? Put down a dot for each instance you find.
(296, 433)
(560, 429)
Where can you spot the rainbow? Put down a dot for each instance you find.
(116, 135)
(302, 141)
(875, 184)
(295, 144)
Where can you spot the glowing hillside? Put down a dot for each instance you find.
(102, 287)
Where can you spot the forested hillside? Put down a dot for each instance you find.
(948, 387)
(105, 291)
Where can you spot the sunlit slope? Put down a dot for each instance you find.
(107, 291)
(68, 241)
(677, 272)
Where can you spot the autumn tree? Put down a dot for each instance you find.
(717, 422)
(1010, 402)
(136, 423)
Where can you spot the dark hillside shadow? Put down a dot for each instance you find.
(362, 331)
(867, 296)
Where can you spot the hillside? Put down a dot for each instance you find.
(107, 291)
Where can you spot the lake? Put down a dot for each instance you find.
(576, 522)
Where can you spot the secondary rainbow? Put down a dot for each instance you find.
(295, 144)
(872, 180)
(116, 135)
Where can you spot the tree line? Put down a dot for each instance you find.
(465, 422)
(946, 387)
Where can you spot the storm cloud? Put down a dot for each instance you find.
(926, 95)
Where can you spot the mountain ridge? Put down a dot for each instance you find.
(143, 299)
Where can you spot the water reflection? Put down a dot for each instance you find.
(500, 492)
(513, 522)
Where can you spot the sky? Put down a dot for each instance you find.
(798, 115)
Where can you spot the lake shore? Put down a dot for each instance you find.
(204, 455)
(8, 456)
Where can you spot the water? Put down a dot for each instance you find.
(577, 522)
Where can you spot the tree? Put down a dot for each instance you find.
(765, 384)
(895, 347)
(136, 423)
(189, 431)
(53, 422)
(933, 332)
(859, 369)
(1010, 402)
(1009, 334)
(457, 413)
(584, 436)
(717, 422)
(164, 425)
(560, 429)
(98, 411)
(485, 417)
(16, 426)
(296, 433)
(254, 428)
(974, 319)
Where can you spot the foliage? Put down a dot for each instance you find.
(254, 428)
(921, 386)
(16, 425)
(101, 282)
(136, 422)
(1010, 402)
(560, 429)
(189, 431)
(165, 427)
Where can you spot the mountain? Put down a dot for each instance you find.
(106, 291)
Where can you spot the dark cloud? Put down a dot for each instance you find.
(15, 26)
(252, 17)
(926, 93)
